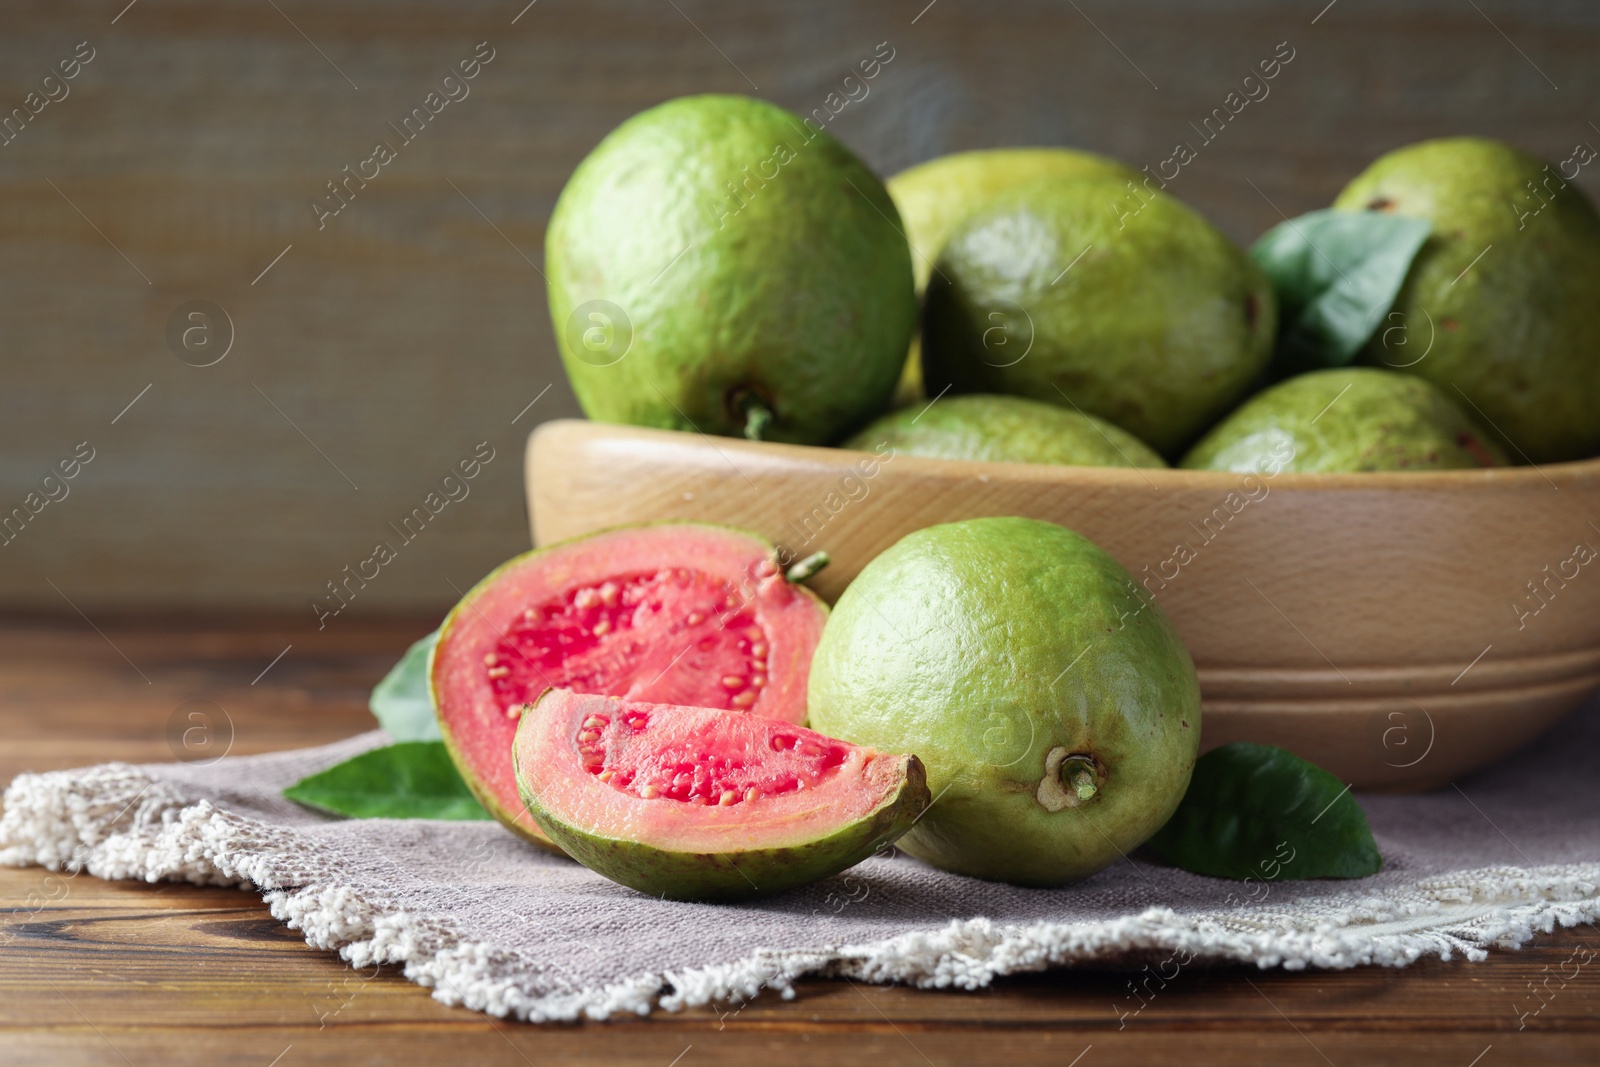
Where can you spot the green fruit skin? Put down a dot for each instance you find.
(987, 644)
(1346, 419)
(1515, 333)
(793, 284)
(1006, 429)
(936, 196)
(1158, 327)
(732, 876)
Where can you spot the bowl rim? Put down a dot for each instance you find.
(1532, 476)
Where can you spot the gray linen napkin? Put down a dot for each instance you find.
(502, 927)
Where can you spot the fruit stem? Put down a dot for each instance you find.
(808, 567)
(757, 417)
(1079, 775)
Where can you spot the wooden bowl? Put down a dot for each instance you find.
(1397, 629)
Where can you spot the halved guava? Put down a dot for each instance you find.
(673, 612)
(695, 804)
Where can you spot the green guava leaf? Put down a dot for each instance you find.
(409, 780)
(1261, 813)
(1336, 274)
(402, 702)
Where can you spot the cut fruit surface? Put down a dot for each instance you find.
(682, 613)
(695, 804)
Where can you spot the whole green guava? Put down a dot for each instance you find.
(936, 196)
(1055, 708)
(1005, 429)
(1503, 301)
(1060, 291)
(1346, 419)
(717, 265)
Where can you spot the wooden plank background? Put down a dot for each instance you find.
(378, 351)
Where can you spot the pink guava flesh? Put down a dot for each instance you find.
(678, 613)
(699, 759)
(655, 792)
(675, 636)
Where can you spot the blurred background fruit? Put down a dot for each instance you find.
(936, 196)
(1005, 429)
(1505, 294)
(1346, 419)
(1148, 317)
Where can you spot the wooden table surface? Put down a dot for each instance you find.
(135, 974)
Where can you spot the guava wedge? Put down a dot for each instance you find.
(676, 612)
(696, 804)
